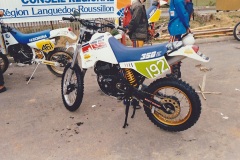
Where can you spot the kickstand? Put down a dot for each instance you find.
(127, 104)
(33, 73)
(134, 110)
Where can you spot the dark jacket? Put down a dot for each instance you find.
(138, 26)
(179, 18)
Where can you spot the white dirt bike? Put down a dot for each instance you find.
(171, 104)
(36, 48)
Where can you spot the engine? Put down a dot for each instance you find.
(108, 76)
(21, 53)
(115, 81)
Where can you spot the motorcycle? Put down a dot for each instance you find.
(36, 48)
(236, 31)
(170, 103)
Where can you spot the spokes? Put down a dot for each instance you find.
(62, 58)
(238, 31)
(70, 88)
(176, 103)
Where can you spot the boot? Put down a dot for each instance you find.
(175, 71)
(136, 103)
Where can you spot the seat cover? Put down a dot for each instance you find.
(32, 37)
(127, 54)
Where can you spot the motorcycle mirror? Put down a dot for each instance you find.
(76, 13)
(1, 13)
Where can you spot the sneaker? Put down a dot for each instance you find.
(3, 89)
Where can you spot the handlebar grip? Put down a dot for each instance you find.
(71, 19)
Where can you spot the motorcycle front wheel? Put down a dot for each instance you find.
(72, 90)
(4, 63)
(236, 32)
(61, 56)
(182, 106)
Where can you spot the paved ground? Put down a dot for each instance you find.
(35, 125)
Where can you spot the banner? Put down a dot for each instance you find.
(16, 11)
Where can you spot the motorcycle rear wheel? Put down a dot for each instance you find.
(236, 32)
(182, 103)
(72, 92)
(61, 56)
(4, 63)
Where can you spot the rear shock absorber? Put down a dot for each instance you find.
(130, 77)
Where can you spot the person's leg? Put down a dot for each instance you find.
(1, 78)
(175, 69)
(2, 88)
(136, 43)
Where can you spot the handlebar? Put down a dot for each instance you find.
(89, 23)
(71, 19)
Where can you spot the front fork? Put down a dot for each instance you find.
(76, 60)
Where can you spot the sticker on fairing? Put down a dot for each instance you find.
(45, 45)
(152, 68)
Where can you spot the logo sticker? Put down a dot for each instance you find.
(188, 51)
(37, 38)
(7, 36)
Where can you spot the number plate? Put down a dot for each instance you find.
(152, 68)
(45, 45)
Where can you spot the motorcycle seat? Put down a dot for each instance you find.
(31, 37)
(128, 54)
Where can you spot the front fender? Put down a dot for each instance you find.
(67, 32)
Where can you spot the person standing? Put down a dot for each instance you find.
(138, 26)
(138, 30)
(178, 25)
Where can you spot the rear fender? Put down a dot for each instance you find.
(187, 51)
(67, 32)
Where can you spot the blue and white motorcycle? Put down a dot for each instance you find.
(38, 48)
(170, 103)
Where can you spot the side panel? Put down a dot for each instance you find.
(9, 39)
(148, 68)
(97, 49)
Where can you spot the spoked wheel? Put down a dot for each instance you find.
(61, 56)
(72, 87)
(236, 32)
(182, 106)
(4, 63)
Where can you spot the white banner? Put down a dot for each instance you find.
(16, 11)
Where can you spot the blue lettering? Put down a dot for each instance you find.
(43, 1)
(25, 1)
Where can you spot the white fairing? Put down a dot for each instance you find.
(97, 49)
(62, 32)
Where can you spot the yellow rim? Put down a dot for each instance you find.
(58, 68)
(181, 113)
